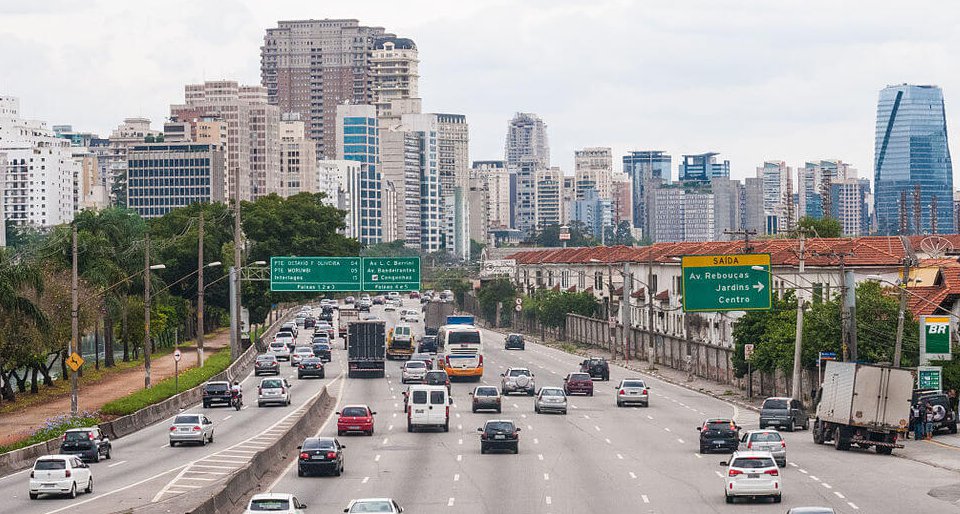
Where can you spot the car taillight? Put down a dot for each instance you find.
(622, 392)
(447, 360)
(67, 473)
(31, 474)
(257, 365)
(196, 428)
(783, 444)
(644, 391)
(63, 437)
(173, 428)
(750, 445)
(304, 455)
(481, 360)
(301, 367)
(448, 411)
(282, 390)
(331, 455)
(259, 390)
(772, 472)
(734, 472)
(90, 436)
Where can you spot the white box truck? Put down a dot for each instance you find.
(864, 405)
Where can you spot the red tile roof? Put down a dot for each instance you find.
(936, 298)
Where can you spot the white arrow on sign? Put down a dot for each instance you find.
(758, 286)
(176, 355)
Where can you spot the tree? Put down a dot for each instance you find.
(550, 236)
(396, 248)
(493, 292)
(619, 235)
(821, 227)
(476, 249)
(553, 306)
(20, 285)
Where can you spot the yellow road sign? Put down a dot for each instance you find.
(74, 361)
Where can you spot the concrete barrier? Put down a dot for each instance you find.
(125, 425)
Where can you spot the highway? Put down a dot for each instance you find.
(145, 470)
(597, 458)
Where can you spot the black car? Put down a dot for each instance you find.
(216, 392)
(87, 443)
(266, 364)
(719, 434)
(321, 349)
(310, 367)
(514, 341)
(944, 418)
(779, 412)
(326, 315)
(597, 367)
(498, 434)
(320, 454)
(428, 344)
(309, 322)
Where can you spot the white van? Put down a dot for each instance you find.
(428, 407)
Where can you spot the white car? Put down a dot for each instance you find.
(273, 390)
(280, 350)
(385, 505)
(300, 353)
(60, 474)
(427, 408)
(281, 503)
(410, 316)
(633, 390)
(752, 474)
(413, 372)
(286, 339)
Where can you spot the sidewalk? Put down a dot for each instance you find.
(15, 426)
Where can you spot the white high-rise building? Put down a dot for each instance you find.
(40, 175)
(778, 190)
(594, 170)
(527, 140)
(298, 160)
(549, 186)
(395, 66)
(494, 179)
(331, 178)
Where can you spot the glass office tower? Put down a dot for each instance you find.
(913, 175)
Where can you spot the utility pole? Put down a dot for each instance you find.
(848, 309)
(200, 293)
(650, 317)
(897, 349)
(626, 316)
(235, 327)
(74, 325)
(746, 237)
(798, 344)
(146, 312)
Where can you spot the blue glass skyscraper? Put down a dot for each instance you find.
(911, 154)
(644, 167)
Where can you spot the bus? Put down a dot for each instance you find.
(463, 351)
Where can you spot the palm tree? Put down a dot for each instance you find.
(20, 284)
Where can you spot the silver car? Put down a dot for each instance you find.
(273, 390)
(191, 428)
(413, 372)
(486, 397)
(300, 353)
(550, 399)
(633, 390)
(766, 441)
(518, 380)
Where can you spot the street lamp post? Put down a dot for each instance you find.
(146, 310)
(798, 341)
(200, 292)
(234, 278)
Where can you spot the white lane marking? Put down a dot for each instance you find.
(546, 476)
(620, 456)
(365, 480)
(459, 427)
(456, 477)
(828, 486)
(680, 440)
(116, 464)
(540, 456)
(815, 479)
(394, 414)
(515, 406)
(839, 494)
(164, 446)
(228, 417)
(697, 455)
(386, 440)
(633, 475)
(459, 441)
(803, 471)
(586, 416)
(124, 488)
(458, 414)
(459, 458)
(529, 427)
(649, 416)
(719, 474)
(389, 428)
(212, 466)
(644, 498)
(450, 502)
(377, 458)
(794, 464)
(853, 506)
(607, 441)
(575, 407)
(548, 500)
(666, 428)
(523, 415)
(536, 441)
(597, 427)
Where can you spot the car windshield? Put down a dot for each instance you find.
(499, 426)
(485, 391)
(752, 463)
(318, 444)
(76, 436)
(321, 346)
(50, 464)
(436, 378)
(372, 506)
(577, 377)
(551, 392)
(766, 437)
(303, 349)
(277, 344)
(514, 338)
(267, 505)
(354, 412)
(216, 387)
(266, 358)
(518, 372)
(271, 384)
(595, 362)
(775, 403)
(633, 383)
(723, 426)
(428, 339)
(415, 364)
(186, 420)
(311, 360)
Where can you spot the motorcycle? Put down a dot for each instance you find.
(236, 400)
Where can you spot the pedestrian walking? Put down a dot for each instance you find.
(952, 395)
(918, 422)
(928, 429)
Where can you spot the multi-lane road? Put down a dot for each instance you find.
(597, 458)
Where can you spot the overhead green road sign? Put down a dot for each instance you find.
(391, 273)
(713, 283)
(315, 274)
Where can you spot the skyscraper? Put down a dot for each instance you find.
(911, 154)
(703, 167)
(777, 179)
(594, 170)
(165, 176)
(357, 132)
(312, 66)
(396, 79)
(549, 183)
(645, 167)
(527, 139)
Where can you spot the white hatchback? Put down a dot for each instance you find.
(280, 350)
(752, 474)
(273, 390)
(300, 353)
(281, 503)
(60, 474)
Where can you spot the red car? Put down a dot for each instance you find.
(355, 418)
(578, 383)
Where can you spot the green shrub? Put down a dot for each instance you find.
(55, 427)
(164, 389)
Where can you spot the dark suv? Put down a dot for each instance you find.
(87, 443)
(513, 341)
(499, 434)
(597, 367)
(783, 412)
(216, 392)
(721, 434)
(943, 415)
(428, 344)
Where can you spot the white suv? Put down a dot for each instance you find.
(518, 380)
(753, 474)
(280, 350)
(273, 390)
(60, 474)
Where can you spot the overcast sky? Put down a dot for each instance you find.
(755, 80)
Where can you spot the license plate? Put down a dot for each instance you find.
(184, 429)
(499, 437)
(48, 485)
(317, 457)
(355, 428)
(753, 475)
(719, 443)
(633, 392)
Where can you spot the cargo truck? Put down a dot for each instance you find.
(400, 342)
(366, 349)
(863, 405)
(346, 317)
(435, 316)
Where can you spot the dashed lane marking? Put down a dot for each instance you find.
(116, 464)
(839, 495)
(680, 440)
(377, 458)
(828, 486)
(456, 477)
(719, 474)
(365, 480)
(450, 502)
(620, 456)
(548, 500)
(644, 498)
(853, 506)
(633, 475)
(546, 476)
(539, 456)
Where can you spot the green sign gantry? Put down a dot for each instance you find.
(714, 283)
(344, 273)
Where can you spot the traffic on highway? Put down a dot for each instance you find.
(440, 415)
